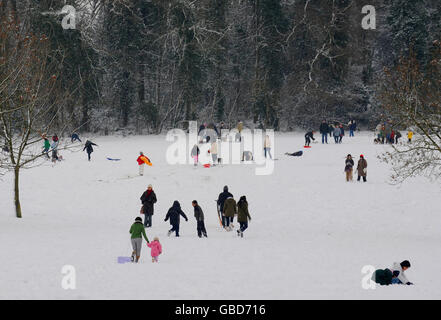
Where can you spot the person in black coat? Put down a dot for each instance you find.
(221, 200)
(148, 199)
(174, 214)
(324, 130)
(199, 215)
(88, 147)
(308, 136)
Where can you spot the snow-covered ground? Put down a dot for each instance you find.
(310, 236)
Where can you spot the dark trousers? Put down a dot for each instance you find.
(307, 141)
(226, 221)
(243, 226)
(324, 137)
(175, 227)
(341, 138)
(88, 155)
(351, 133)
(147, 220)
(359, 177)
(201, 229)
(336, 138)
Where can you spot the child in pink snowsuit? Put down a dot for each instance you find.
(156, 249)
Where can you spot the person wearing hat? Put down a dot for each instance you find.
(349, 165)
(221, 200)
(148, 200)
(362, 168)
(174, 214)
(137, 231)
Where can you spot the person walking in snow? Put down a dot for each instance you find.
(324, 130)
(337, 133)
(331, 130)
(267, 146)
(342, 133)
(362, 168)
(221, 201)
(156, 249)
(46, 147)
(352, 127)
(174, 214)
(195, 154)
(137, 231)
(88, 146)
(199, 215)
(397, 136)
(242, 215)
(213, 152)
(308, 136)
(230, 210)
(349, 165)
(148, 199)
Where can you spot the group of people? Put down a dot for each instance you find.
(361, 168)
(386, 133)
(335, 130)
(53, 147)
(227, 208)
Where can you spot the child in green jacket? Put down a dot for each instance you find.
(137, 231)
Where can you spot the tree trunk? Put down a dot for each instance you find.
(17, 192)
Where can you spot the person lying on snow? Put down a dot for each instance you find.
(394, 275)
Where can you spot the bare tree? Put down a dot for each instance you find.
(28, 99)
(412, 99)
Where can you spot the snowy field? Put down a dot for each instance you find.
(310, 236)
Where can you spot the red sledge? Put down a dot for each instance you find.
(207, 165)
(307, 147)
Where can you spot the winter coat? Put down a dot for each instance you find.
(174, 214)
(47, 144)
(267, 143)
(198, 213)
(137, 231)
(337, 132)
(362, 164)
(230, 208)
(398, 134)
(309, 135)
(382, 277)
(221, 199)
(148, 200)
(156, 248)
(54, 145)
(342, 131)
(213, 149)
(88, 146)
(410, 135)
(195, 151)
(349, 164)
(240, 126)
(242, 212)
(401, 276)
(324, 128)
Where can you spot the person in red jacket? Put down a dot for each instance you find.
(142, 160)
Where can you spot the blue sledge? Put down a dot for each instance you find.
(122, 260)
(111, 159)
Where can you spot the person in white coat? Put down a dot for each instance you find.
(401, 277)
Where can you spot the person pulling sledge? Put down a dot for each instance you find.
(230, 210)
(221, 201)
(137, 231)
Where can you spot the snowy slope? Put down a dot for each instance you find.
(310, 235)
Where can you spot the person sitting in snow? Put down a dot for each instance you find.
(394, 275)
